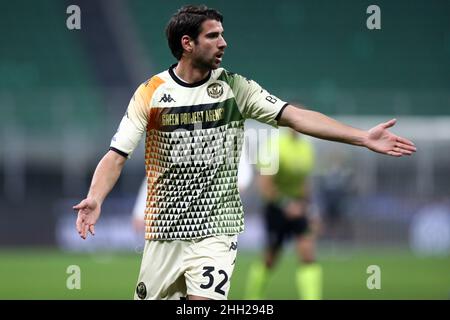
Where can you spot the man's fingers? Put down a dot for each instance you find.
(85, 230)
(389, 124)
(402, 151)
(79, 224)
(405, 141)
(406, 152)
(82, 230)
(394, 154)
(406, 147)
(92, 229)
(82, 226)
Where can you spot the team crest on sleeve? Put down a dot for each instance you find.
(215, 90)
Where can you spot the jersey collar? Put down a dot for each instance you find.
(185, 84)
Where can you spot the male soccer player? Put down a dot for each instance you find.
(287, 197)
(193, 117)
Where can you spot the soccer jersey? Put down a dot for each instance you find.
(194, 134)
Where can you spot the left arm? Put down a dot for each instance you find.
(318, 125)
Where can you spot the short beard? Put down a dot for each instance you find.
(204, 65)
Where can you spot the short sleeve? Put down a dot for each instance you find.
(134, 122)
(256, 103)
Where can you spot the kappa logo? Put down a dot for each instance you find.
(167, 98)
(141, 290)
(233, 246)
(215, 90)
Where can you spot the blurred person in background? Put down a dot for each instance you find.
(335, 189)
(287, 213)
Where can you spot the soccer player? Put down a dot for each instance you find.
(287, 196)
(193, 118)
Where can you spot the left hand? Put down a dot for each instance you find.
(88, 214)
(380, 140)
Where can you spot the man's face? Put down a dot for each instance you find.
(210, 45)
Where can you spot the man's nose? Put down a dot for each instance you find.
(222, 43)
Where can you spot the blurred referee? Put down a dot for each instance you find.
(287, 197)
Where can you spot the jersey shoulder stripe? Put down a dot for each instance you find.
(227, 76)
(148, 88)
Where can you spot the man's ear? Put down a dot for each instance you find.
(187, 43)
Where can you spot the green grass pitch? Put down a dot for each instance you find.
(41, 274)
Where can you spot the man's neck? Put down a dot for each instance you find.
(190, 74)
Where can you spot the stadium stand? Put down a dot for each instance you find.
(325, 55)
(46, 81)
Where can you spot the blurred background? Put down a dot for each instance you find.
(63, 93)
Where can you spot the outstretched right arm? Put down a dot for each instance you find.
(105, 177)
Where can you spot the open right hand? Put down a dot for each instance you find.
(88, 214)
(380, 140)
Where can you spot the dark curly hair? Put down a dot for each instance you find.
(188, 21)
